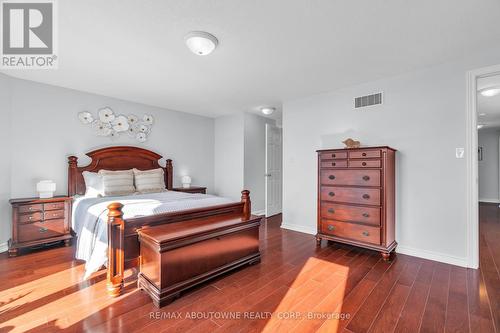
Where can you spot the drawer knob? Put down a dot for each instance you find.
(366, 233)
(334, 164)
(54, 214)
(366, 196)
(331, 210)
(363, 164)
(42, 230)
(364, 154)
(334, 155)
(366, 178)
(331, 194)
(366, 215)
(332, 177)
(30, 218)
(331, 227)
(30, 208)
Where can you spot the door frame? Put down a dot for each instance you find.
(471, 134)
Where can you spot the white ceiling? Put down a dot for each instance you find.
(488, 108)
(270, 51)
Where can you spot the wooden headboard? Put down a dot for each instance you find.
(115, 158)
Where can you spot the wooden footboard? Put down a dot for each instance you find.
(123, 243)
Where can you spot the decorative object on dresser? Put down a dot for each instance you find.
(177, 256)
(38, 221)
(192, 189)
(46, 189)
(350, 143)
(356, 197)
(186, 181)
(107, 123)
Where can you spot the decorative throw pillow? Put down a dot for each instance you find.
(149, 181)
(117, 182)
(93, 184)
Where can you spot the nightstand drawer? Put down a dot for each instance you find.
(30, 208)
(53, 206)
(53, 214)
(33, 217)
(40, 230)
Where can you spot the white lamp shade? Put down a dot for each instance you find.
(186, 181)
(46, 188)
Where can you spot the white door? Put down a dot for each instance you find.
(273, 170)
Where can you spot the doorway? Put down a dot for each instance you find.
(273, 175)
(475, 120)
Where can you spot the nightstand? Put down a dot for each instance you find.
(38, 221)
(192, 189)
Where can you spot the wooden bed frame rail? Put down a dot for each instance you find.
(117, 233)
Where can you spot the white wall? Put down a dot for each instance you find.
(255, 158)
(229, 156)
(424, 118)
(45, 130)
(488, 168)
(5, 161)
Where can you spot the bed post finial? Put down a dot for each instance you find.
(247, 204)
(72, 173)
(170, 174)
(116, 259)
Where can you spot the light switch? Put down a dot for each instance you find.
(459, 152)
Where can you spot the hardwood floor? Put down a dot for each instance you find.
(296, 288)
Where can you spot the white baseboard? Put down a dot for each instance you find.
(4, 247)
(299, 228)
(431, 255)
(490, 200)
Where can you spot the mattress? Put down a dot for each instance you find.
(90, 218)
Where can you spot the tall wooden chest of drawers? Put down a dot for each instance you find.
(356, 197)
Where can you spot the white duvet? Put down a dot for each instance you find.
(90, 217)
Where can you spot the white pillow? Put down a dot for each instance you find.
(149, 181)
(93, 184)
(117, 182)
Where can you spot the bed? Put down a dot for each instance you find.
(109, 225)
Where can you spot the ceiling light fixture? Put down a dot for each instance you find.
(200, 42)
(482, 114)
(490, 91)
(480, 126)
(267, 110)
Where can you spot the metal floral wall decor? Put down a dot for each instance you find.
(112, 125)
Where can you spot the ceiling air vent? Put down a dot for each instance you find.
(363, 101)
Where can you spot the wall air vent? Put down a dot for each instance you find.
(369, 100)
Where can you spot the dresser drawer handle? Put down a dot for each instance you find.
(30, 208)
(54, 215)
(332, 177)
(366, 196)
(331, 210)
(42, 230)
(331, 228)
(366, 215)
(331, 194)
(363, 164)
(366, 178)
(366, 233)
(30, 218)
(334, 164)
(364, 154)
(333, 155)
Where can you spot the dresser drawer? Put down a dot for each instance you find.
(53, 206)
(334, 164)
(365, 153)
(365, 163)
(350, 177)
(33, 217)
(334, 155)
(368, 215)
(357, 232)
(40, 230)
(53, 214)
(366, 196)
(30, 208)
